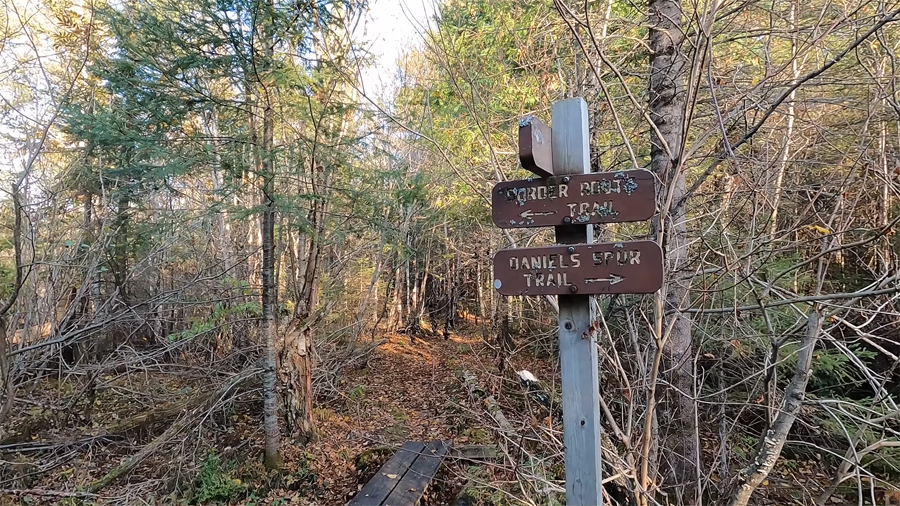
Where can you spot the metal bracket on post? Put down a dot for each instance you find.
(577, 353)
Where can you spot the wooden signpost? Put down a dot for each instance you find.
(534, 146)
(566, 195)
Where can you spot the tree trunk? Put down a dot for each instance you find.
(887, 181)
(677, 414)
(751, 476)
(263, 160)
(370, 293)
(297, 351)
(789, 129)
(296, 372)
(269, 312)
(120, 247)
(7, 388)
(223, 232)
(395, 314)
(482, 310)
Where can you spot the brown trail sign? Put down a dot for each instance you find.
(569, 197)
(584, 269)
(580, 199)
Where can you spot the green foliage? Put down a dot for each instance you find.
(357, 393)
(478, 491)
(842, 425)
(481, 490)
(197, 328)
(301, 478)
(832, 371)
(791, 465)
(884, 462)
(7, 279)
(214, 483)
(221, 314)
(414, 192)
(743, 446)
(245, 309)
(476, 435)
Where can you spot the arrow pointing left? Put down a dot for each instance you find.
(529, 213)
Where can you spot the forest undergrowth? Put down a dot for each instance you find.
(405, 390)
(508, 441)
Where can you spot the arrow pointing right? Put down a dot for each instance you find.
(612, 279)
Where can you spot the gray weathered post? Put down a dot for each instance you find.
(577, 348)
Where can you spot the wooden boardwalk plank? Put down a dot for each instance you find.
(380, 487)
(412, 485)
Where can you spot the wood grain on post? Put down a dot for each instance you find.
(577, 346)
(535, 146)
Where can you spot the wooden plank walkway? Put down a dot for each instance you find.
(403, 479)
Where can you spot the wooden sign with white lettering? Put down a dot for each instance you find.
(585, 269)
(579, 199)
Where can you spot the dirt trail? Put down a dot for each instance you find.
(401, 395)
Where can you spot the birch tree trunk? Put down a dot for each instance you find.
(751, 476)
(269, 302)
(886, 183)
(677, 413)
(263, 161)
(789, 129)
